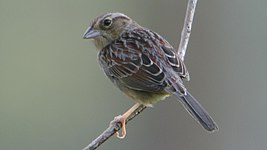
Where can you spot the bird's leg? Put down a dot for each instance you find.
(122, 120)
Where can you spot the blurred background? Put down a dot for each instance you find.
(54, 96)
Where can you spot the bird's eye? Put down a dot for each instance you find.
(107, 22)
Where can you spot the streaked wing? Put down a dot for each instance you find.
(142, 60)
(176, 63)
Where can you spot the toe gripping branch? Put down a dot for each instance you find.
(120, 121)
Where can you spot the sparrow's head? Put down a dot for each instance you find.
(106, 28)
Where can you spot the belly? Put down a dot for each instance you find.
(142, 97)
(145, 98)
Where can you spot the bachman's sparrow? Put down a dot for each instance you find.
(143, 65)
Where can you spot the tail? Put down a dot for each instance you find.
(197, 111)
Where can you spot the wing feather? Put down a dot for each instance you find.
(142, 60)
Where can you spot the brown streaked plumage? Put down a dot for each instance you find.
(142, 64)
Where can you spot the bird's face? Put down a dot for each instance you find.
(106, 28)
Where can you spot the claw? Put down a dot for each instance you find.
(122, 120)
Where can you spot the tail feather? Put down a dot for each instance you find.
(197, 111)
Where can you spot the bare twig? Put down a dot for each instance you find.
(185, 35)
(113, 128)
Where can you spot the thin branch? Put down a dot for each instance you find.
(185, 35)
(113, 128)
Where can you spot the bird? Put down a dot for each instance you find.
(143, 65)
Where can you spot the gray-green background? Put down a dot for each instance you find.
(53, 96)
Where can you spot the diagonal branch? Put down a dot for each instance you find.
(113, 128)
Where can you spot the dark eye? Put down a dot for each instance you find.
(107, 22)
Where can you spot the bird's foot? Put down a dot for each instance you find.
(122, 120)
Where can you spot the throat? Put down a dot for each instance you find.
(101, 42)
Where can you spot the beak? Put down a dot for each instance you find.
(91, 33)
